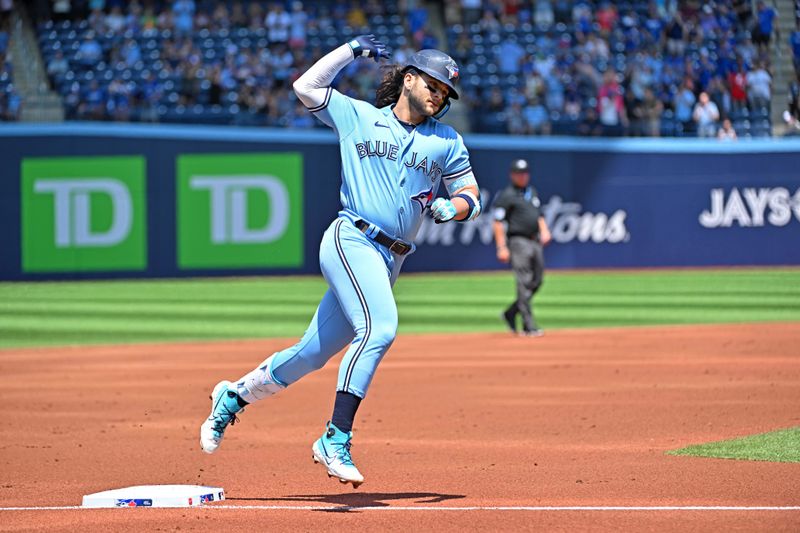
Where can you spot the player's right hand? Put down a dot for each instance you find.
(369, 46)
(503, 255)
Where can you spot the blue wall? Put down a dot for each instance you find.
(610, 203)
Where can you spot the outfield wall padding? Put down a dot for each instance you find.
(99, 201)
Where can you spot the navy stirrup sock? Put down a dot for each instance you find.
(344, 410)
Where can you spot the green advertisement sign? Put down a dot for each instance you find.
(240, 210)
(83, 214)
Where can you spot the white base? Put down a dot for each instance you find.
(155, 496)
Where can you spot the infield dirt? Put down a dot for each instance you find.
(579, 417)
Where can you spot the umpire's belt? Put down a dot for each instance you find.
(394, 245)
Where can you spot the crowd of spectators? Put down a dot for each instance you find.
(226, 62)
(586, 67)
(623, 68)
(10, 101)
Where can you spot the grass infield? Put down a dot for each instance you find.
(93, 312)
(781, 446)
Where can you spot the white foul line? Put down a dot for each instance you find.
(434, 508)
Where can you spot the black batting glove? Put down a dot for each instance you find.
(369, 46)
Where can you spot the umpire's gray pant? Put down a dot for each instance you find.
(527, 261)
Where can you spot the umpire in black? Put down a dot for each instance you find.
(520, 232)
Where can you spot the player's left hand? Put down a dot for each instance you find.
(443, 210)
(369, 46)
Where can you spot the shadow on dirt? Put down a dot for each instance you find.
(352, 501)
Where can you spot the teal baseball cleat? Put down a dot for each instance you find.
(332, 450)
(225, 405)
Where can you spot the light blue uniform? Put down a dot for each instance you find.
(389, 177)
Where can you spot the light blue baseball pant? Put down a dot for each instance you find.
(358, 308)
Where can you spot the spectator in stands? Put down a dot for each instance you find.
(746, 50)
(537, 118)
(683, 104)
(726, 132)
(675, 32)
(150, 93)
(515, 122)
(3, 40)
(705, 116)
(118, 102)
(759, 86)
(737, 81)
(655, 25)
(255, 16)
(652, 108)
(496, 101)
(635, 112)
(794, 43)
(130, 52)
(62, 10)
(590, 126)
(610, 105)
(97, 21)
(489, 23)
(278, 22)
(93, 106)
(238, 18)
(133, 19)
(720, 96)
(149, 21)
(297, 26)
(607, 17)
(582, 16)
(471, 11)
(510, 55)
(762, 31)
(73, 101)
(554, 91)
(183, 11)
(58, 65)
(90, 51)
(792, 114)
(115, 21)
(596, 47)
(743, 11)
(543, 16)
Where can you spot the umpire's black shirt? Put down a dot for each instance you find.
(521, 209)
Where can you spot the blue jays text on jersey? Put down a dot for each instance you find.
(433, 169)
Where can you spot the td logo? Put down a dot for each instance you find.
(73, 210)
(240, 211)
(83, 213)
(229, 207)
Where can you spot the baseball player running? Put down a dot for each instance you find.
(394, 156)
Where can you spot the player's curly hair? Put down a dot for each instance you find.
(391, 86)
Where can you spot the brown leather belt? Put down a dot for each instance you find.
(394, 245)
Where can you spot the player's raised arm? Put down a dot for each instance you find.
(313, 87)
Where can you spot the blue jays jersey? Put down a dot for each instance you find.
(389, 174)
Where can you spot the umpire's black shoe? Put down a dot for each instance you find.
(510, 320)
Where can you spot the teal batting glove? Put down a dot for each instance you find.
(442, 210)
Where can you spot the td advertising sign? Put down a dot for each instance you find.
(83, 214)
(240, 210)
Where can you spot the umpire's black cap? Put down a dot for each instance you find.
(519, 165)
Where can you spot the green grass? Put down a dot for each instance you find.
(781, 446)
(56, 313)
